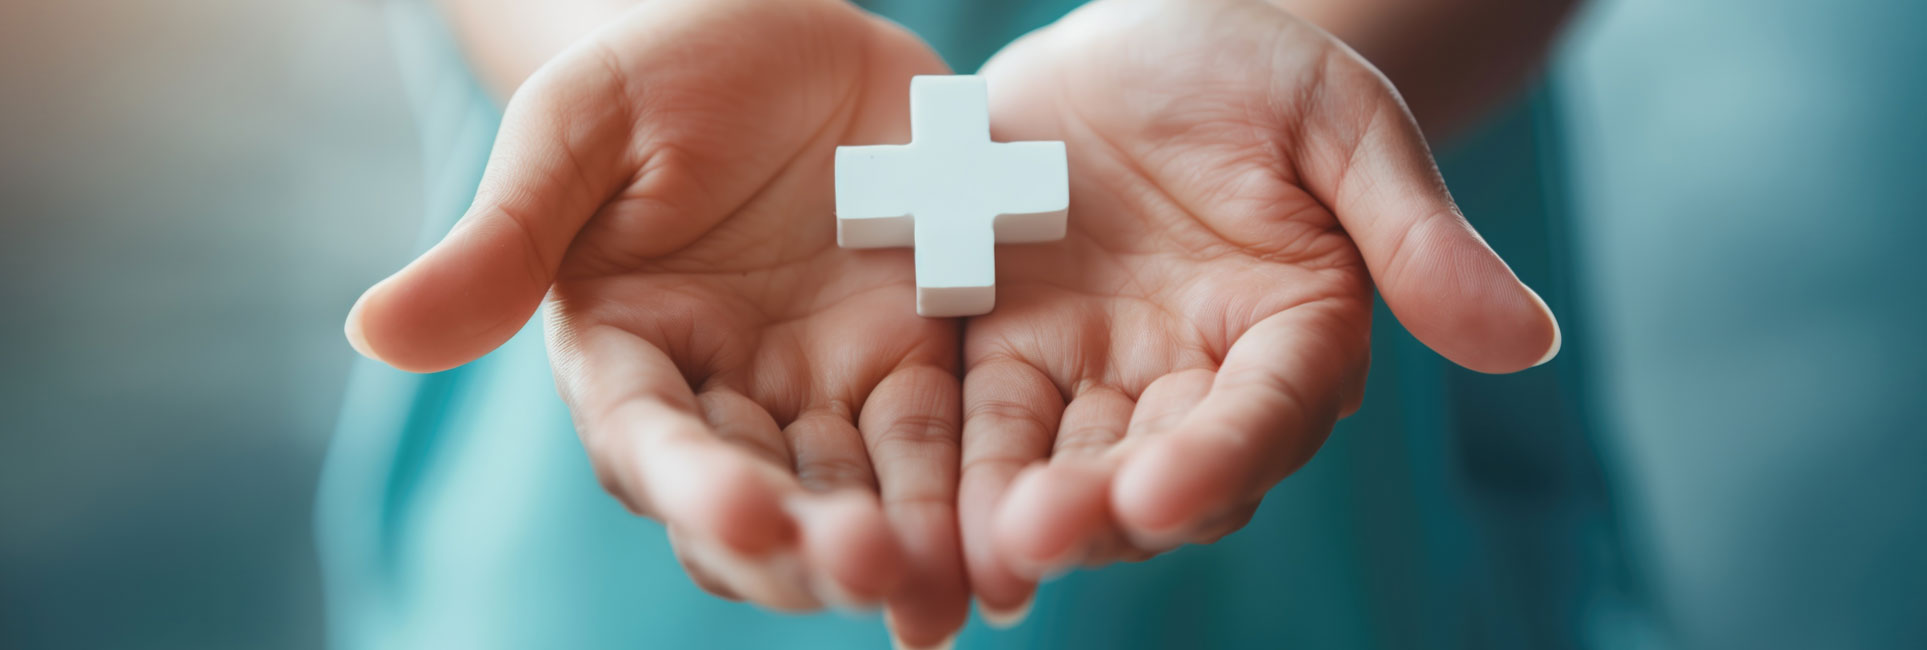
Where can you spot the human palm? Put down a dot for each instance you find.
(773, 399)
(1239, 179)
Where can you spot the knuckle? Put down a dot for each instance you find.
(919, 431)
(1087, 440)
(828, 473)
(1011, 464)
(1005, 413)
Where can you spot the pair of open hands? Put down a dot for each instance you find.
(1239, 180)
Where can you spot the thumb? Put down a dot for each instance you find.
(1445, 285)
(554, 164)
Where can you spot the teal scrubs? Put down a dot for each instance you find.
(457, 510)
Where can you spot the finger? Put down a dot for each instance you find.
(1163, 405)
(775, 580)
(1272, 404)
(845, 531)
(736, 419)
(699, 574)
(1158, 409)
(856, 559)
(1212, 530)
(828, 452)
(1093, 423)
(1053, 516)
(911, 425)
(553, 165)
(1011, 411)
(1440, 279)
(1167, 401)
(654, 451)
(1056, 514)
(849, 558)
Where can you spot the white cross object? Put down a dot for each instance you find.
(952, 194)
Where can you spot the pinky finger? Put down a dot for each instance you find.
(654, 451)
(1272, 404)
(774, 580)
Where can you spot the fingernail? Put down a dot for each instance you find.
(775, 580)
(1557, 338)
(1051, 572)
(834, 595)
(356, 339)
(1159, 541)
(897, 642)
(1004, 619)
(948, 643)
(1054, 568)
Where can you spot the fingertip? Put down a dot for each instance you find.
(848, 536)
(461, 299)
(355, 332)
(1033, 531)
(1004, 618)
(1143, 508)
(1552, 320)
(776, 580)
(904, 640)
(380, 327)
(385, 328)
(750, 520)
(1170, 485)
(1459, 298)
(1505, 334)
(928, 610)
(991, 579)
(1007, 523)
(734, 504)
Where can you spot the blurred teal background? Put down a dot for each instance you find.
(192, 193)
(1751, 186)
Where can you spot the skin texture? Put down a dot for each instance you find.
(1240, 183)
(1239, 180)
(664, 188)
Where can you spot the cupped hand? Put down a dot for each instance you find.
(1240, 180)
(664, 188)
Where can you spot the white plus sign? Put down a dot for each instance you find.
(951, 193)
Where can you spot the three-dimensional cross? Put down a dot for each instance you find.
(952, 194)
